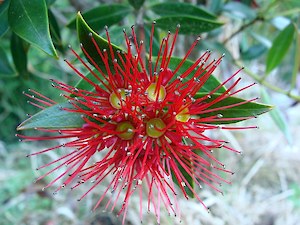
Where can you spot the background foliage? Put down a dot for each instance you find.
(35, 34)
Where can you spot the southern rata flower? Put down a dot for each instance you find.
(147, 122)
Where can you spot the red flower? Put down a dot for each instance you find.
(148, 126)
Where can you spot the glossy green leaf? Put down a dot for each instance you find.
(115, 34)
(19, 49)
(280, 47)
(3, 17)
(84, 85)
(209, 85)
(137, 4)
(114, 31)
(188, 24)
(188, 178)
(54, 117)
(6, 69)
(84, 32)
(180, 8)
(245, 110)
(29, 20)
(55, 32)
(277, 117)
(103, 15)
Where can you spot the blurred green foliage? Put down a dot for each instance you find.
(249, 32)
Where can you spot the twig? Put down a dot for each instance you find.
(261, 81)
(242, 28)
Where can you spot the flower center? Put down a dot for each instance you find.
(126, 130)
(183, 115)
(154, 94)
(116, 98)
(155, 127)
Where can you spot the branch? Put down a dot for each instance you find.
(246, 25)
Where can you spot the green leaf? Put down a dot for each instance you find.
(115, 32)
(188, 24)
(84, 32)
(84, 85)
(254, 52)
(209, 85)
(240, 10)
(277, 117)
(137, 4)
(6, 69)
(55, 32)
(54, 117)
(29, 20)
(261, 39)
(280, 47)
(296, 66)
(19, 49)
(50, 2)
(188, 177)
(215, 6)
(3, 17)
(245, 110)
(104, 15)
(295, 187)
(178, 8)
(155, 39)
(221, 48)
